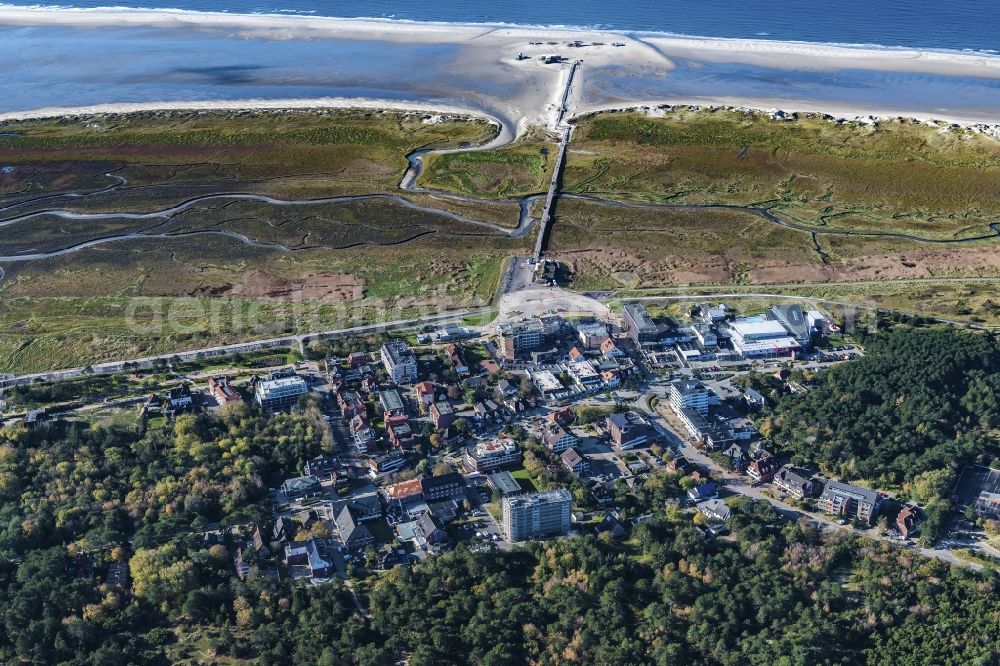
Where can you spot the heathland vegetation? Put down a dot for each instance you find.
(446, 240)
(264, 268)
(726, 197)
(929, 181)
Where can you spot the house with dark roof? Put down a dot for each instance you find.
(443, 486)
(843, 499)
(703, 492)
(762, 469)
(353, 534)
(737, 457)
(301, 487)
(363, 507)
(575, 462)
(610, 523)
(793, 482)
(351, 404)
(715, 509)
(629, 430)
(322, 467)
(284, 530)
(180, 397)
(429, 531)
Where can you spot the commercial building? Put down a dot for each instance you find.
(639, 325)
(762, 339)
(584, 375)
(519, 337)
(281, 393)
(794, 320)
(379, 466)
(492, 454)
(690, 395)
(392, 402)
(537, 515)
(592, 336)
(399, 361)
(843, 499)
(547, 385)
(629, 430)
(443, 486)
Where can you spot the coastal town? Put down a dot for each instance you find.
(533, 428)
(445, 334)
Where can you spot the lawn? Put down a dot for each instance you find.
(525, 480)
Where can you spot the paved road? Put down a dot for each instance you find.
(695, 295)
(739, 485)
(239, 348)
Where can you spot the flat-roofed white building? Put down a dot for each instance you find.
(547, 384)
(537, 515)
(762, 339)
(585, 375)
(399, 361)
(281, 393)
(690, 394)
(592, 336)
(492, 454)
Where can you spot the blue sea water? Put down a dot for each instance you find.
(952, 25)
(55, 64)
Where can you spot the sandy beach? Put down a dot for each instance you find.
(499, 72)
